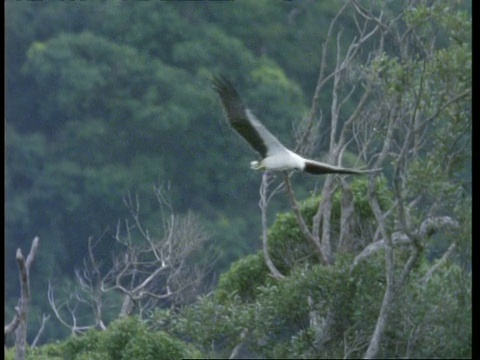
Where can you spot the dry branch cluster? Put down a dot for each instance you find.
(148, 269)
(387, 129)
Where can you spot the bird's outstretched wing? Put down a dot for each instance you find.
(244, 122)
(319, 168)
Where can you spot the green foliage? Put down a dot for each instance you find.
(243, 278)
(278, 322)
(127, 338)
(111, 98)
(431, 320)
(29, 150)
(102, 99)
(286, 242)
(287, 245)
(10, 353)
(85, 346)
(359, 188)
(285, 308)
(130, 338)
(222, 52)
(214, 326)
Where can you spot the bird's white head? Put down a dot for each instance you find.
(257, 165)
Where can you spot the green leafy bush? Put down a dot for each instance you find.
(127, 338)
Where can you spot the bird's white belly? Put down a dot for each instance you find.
(283, 161)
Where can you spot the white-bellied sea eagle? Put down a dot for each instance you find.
(274, 155)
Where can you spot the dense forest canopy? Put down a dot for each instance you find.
(104, 98)
(107, 103)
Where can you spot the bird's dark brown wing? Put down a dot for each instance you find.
(242, 120)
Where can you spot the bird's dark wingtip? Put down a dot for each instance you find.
(223, 86)
(220, 82)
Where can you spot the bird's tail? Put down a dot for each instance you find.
(317, 168)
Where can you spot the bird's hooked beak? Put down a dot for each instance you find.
(257, 165)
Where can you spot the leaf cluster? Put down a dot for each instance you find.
(126, 338)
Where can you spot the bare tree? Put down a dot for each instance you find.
(407, 120)
(389, 67)
(147, 270)
(338, 138)
(19, 322)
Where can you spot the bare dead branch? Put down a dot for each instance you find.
(264, 200)
(12, 326)
(323, 217)
(145, 270)
(19, 322)
(398, 238)
(301, 223)
(66, 306)
(321, 79)
(40, 331)
(356, 344)
(237, 348)
(428, 228)
(32, 253)
(439, 263)
(346, 219)
(306, 135)
(375, 341)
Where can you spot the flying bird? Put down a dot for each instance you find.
(274, 155)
